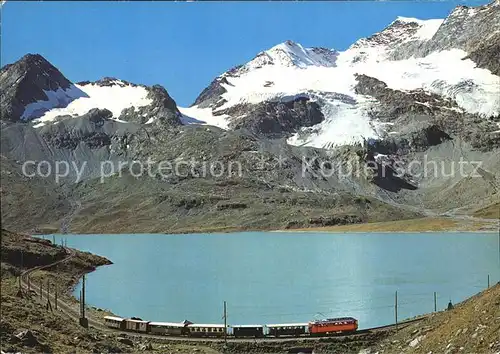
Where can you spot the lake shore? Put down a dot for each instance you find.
(428, 224)
(439, 224)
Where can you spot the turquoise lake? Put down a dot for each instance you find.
(279, 277)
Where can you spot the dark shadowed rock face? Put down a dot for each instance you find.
(276, 119)
(25, 81)
(394, 103)
(163, 109)
(487, 55)
(429, 136)
(425, 119)
(59, 136)
(395, 33)
(211, 95)
(108, 81)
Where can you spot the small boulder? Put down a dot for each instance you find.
(125, 341)
(28, 338)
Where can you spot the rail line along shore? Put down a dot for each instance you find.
(62, 268)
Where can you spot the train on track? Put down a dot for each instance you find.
(331, 326)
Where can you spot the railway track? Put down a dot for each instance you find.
(72, 312)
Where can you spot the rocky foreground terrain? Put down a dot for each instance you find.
(471, 327)
(26, 325)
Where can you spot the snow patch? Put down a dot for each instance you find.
(115, 98)
(427, 29)
(409, 20)
(195, 115)
(344, 124)
(290, 53)
(59, 98)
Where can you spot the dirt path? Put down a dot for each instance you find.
(76, 205)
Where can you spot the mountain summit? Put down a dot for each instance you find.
(443, 59)
(290, 53)
(31, 86)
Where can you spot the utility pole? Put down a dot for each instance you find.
(225, 324)
(83, 294)
(488, 280)
(435, 302)
(55, 297)
(49, 305)
(396, 309)
(84, 322)
(20, 290)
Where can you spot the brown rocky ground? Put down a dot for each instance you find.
(490, 212)
(473, 326)
(26, 326)
(437, 224)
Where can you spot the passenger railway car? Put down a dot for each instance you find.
(205, 330)
(137, 325)
(168, 328)
(255, 331)
(114, 322)
(333, 325)
(330, 326)
(287, 329)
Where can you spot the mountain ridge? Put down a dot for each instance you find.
(283, 117)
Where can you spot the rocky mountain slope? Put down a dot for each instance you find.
(26, 325)
(473, 326)
(403, 109)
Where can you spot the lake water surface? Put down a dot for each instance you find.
(279, 277)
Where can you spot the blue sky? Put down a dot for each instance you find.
(183, 46)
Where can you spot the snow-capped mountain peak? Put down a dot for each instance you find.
(31, 86)
(290, 53)
(407, 56)
(403, 29)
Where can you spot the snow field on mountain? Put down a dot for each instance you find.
(444, 73)
(60, 97)
(195, 115)
(114, 98)
(289, 70)
(343, 124)
(293, 54)
(427, 27)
